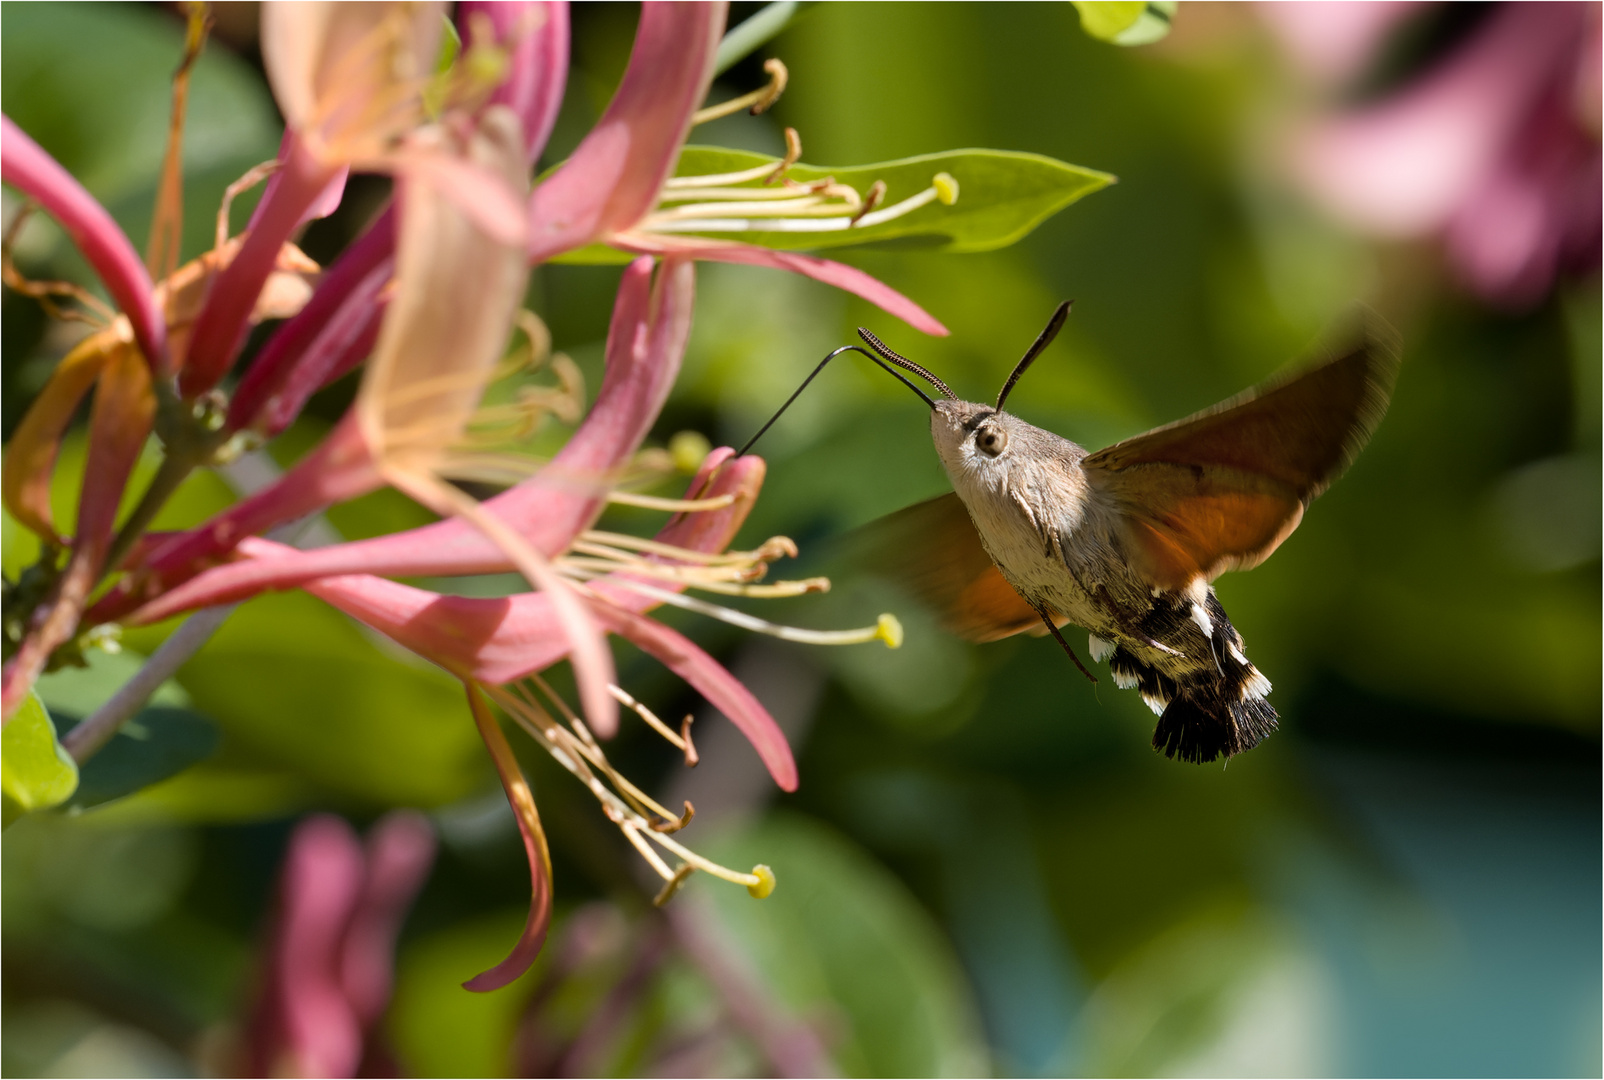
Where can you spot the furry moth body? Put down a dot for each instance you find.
(1125, 541)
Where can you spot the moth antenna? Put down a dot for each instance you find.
(1054, 325)
(798, 392)
(903, 362)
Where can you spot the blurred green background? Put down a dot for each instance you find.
(985, 867)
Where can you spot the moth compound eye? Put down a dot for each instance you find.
(991, 440)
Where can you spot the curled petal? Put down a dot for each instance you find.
(538, 73)
(534, 837)
(25, 166)
(612, 180)
(842, 276)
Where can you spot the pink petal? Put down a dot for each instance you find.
(1401, 168)
(1333, 40)
(326, 202)
(614, 177)
(222, 324)
(307, 351)
(538, 33)
(840, 275)
(25, 166)
(500, 640)
(303, 1025)
(400, 851)
(644, 348)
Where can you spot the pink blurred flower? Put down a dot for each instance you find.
(330, 951)
(1493, 148)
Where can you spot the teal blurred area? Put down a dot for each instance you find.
(985, 867)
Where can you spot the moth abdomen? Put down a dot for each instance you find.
(1202, 723)
(1208, 695)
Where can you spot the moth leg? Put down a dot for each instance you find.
(1060, 639)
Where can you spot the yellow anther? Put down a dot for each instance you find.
(688, 449)
(946, 188)
(764, 883)
(890, 631)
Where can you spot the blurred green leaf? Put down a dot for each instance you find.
(1002, 196)
(35, 772)
(1126, 22)
(439, 1028)
(93, 87)
(297, 686)
(78, 691)
(840, 933)
(156, 743)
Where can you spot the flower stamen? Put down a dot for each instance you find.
(888, 629)
(757, 101)
(573, 749)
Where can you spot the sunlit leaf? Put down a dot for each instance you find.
(1002, 196)
(35, 772)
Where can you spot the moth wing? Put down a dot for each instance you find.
(1222, 489)
(932, 549)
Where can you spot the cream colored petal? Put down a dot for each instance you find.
(339, 68)
(457, 290)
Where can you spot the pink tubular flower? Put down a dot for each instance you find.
(330, 951)
(1494, 147)
(426, 301)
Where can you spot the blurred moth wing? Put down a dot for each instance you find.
(932, 549)
(1221, 489)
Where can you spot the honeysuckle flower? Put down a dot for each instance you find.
(1494, 147)
(330, 953)
(497, 643)
(427, 299)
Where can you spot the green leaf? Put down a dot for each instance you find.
(156, 743)
(35, 772)
(1126, 22)
(1002, 196)
(841, 937)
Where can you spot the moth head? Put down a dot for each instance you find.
(972, 437)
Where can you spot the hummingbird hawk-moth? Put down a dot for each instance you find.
(1125, 541)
